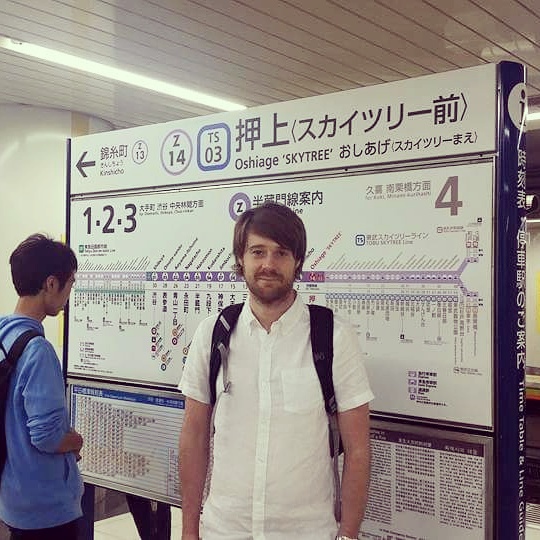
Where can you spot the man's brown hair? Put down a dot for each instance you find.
(274, 221)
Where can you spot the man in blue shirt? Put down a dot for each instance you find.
(41, 486)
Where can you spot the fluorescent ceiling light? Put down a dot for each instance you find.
(533, 116)
(76, 62)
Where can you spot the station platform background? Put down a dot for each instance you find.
(122, 527)
(114, 521)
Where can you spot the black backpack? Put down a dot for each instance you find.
(7, 365)
(322, 334)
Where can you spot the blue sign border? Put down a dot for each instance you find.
(509, 329)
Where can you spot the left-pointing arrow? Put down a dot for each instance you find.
(81, 164)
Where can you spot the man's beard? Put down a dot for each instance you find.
(271, 292)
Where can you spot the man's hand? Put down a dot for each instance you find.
(354, 430)
(72, 442)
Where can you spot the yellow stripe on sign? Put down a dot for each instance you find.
(60, 315)
(60, 318)
(537, 291)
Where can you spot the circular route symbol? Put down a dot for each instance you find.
(239, 203)
(176, 152)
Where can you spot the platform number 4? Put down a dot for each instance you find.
(448, 197)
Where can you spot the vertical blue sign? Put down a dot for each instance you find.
(509, 500)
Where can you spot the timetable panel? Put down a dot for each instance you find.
(425, 480)
(130, 438)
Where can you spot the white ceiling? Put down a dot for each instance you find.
(253, 51)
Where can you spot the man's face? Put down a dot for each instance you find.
(269, 269)
(57, 297)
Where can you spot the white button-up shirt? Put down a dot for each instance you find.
(272, 474)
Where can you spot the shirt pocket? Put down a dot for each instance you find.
(301, 390)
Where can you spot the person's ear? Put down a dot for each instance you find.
(238, 267)
(50, 283)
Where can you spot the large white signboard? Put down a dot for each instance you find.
(406, 258)
(453, 114)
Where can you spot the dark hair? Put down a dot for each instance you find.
(274, 221)
(37, 258)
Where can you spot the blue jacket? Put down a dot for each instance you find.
(39, 488)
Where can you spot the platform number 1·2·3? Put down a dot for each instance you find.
(108, 218)
(448, 196)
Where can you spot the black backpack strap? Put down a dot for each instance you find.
(6, 368)
(4, 352)
(322, 344)
(321, 321)
(10, 361)
(221, 335)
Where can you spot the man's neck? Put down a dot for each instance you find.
(30, 306)
(267, 314)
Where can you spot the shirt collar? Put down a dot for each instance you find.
(284, 324)
(248, 319)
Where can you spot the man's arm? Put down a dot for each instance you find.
(354, 430)
(193, 456)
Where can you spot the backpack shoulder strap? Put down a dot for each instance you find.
(322, 345)
(15, 351)
(321, 321)
(6, 368)
(221, 335)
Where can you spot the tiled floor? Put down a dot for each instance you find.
(532, 532)
(122, 527)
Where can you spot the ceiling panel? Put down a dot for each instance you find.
(309, 26)
(454, 35)
(374, 22)
(289, 44)
(497, 34)
(253, 51)
(152, 55)
(223, 52)
(516, 15)
(409, 22)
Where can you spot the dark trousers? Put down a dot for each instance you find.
(67, 531)
(151, 524)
